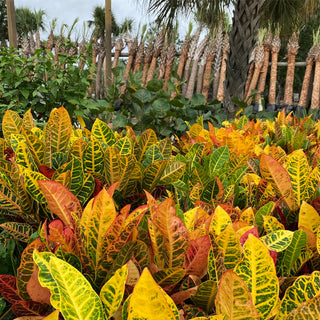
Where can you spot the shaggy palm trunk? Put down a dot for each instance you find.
(171, 54)
(258, 63)
(217, 61)
(38, 41)
(225, 50)
(156, 52)
(193, 75)
(146, 63)
(207, 72)
(201, 69)
(293, 46)
(245, 24)
(307, 78)
(25, 47)
(275, 48)
(32, 44)
(162, 62)
(82, 54)
(50, 41)
(99, 78)
(57, 49)
(191, 52)
(250, 75)
(118, 48)
(263, 76)
(132, 52)
(183, 58)
(139, 57)
(315, 103)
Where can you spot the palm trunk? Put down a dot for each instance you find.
(186, 73)
(275, 48)
(217, 61)
(306, 80)
(250, 75)
(226, 48)
(99, 79)
(94, 61)
(139, 57)
(201, 73)
(315, 103)
(193, 75)
(162, 62)
(293, 46)
(171, 54)
(246, 16)
(146, 62)
(157, 50)
(263, 76)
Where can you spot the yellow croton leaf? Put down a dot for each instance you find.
(308, 217)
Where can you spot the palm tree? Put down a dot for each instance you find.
(245, 24)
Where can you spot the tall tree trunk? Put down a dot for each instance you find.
(99, 79)
(108, 42)
(192, 50)
(245, 28)
(139, 57)
(171, 54)
(249, 79)
(197, 56)
(207, 72)
(217, 61)
(118, 48)
(146, 62)
(163, 61)
(264, 71)
(226, 48)
(156, 52)
(293, 46)
(306, 79)
(275, 48)
(315, 100)
(201, 69)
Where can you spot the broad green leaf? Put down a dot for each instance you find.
(292, 253)
(297, 166)
(24, 156)
(309, 309)
(258, 271)
(200, 175)
(168, 277)
(61, 201)
(218, 159)
(305, 255)
(173, 172)
(96, 219)
(58, 130)
(87, 188)
(205, 295)
(93, 157)
(31, 179)
(19, 231)
(127, 166)
(165, 148)
(77, 148)
(148, 301)
(303, 289)
(272, 171)
(220, 220)
(45, 277)
(11, 124)
(308, 217)
(152, 154)
(112, 292)
(124, 146)
(35, 146)
(278, 240)
(77, 298)
(9, 202)
(266, 210)
(230, 245)
(101, 131)
(147, 138)
(112, 166)
(234, 299)
(271, 224)
(152, 174)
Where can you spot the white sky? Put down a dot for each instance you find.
(68, 10)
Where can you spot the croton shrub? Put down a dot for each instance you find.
(218, 224)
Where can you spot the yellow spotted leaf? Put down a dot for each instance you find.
(220, 220)
(308, 217)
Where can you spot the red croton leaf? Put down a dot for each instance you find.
(46, 171)
(197, 256)
(29, 308)
(253, 231)
(8, 288)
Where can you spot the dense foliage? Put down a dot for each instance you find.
(221, 224)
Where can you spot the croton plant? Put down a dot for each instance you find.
(221, 223)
